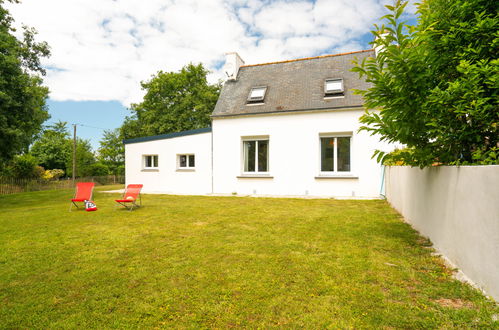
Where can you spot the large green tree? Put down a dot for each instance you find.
(53, 149)
(112, 151)
(174, 102)
(436, 83)
(85, 160)
(22, 96)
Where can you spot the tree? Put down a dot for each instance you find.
(435, 83)
(54, 150)
(84, 159)
(54, 147)
(112, 151)
(174, 102)
(22, 96)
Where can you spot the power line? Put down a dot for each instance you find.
(85, 125)
(79, 124)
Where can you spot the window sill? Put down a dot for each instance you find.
(150, 170)
(332, 97)
(334, 177)
(255, 176)
(186, 169)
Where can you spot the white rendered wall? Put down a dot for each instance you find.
(168, 179)
(458, 209)
(294, 155)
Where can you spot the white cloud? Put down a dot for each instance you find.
(102, 49)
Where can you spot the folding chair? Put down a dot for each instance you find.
(84, 191)
(130, 196)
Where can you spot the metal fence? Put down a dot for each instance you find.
(14, 186)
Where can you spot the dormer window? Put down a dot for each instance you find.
(257, 94)
(333, 87)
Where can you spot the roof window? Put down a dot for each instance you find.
(333, 86)
(257, 94)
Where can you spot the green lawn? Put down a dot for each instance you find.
(218, 262)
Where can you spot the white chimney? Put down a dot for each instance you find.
(232, 64)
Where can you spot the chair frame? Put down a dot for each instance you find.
(76, 193)
(132, 202)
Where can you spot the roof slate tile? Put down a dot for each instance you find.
(296, 85)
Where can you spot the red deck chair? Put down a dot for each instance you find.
(83, 192)
(129, 199)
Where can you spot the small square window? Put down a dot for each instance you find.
(186, 161)
(333, 86)
(257, 94)
(150, 161)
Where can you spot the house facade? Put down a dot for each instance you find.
(284, 128)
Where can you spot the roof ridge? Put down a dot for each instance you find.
(309, 58)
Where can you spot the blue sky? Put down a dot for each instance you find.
(91, 117)
(102, 49)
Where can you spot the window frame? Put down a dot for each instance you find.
(334, 92)
(256, 139)
(144, 162)
(261, 99)
(335, 171)
(188, 162)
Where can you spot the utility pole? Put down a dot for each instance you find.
(74, 153)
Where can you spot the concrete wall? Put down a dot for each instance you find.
(168, 178)
(294, 155)
(458, 209)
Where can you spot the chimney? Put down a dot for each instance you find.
(232, 64)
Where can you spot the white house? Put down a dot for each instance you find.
(284, 128)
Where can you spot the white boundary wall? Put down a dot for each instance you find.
(458, 209)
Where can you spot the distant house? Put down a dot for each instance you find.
(284, 128)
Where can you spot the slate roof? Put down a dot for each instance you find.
(168, 136)
(294, 85)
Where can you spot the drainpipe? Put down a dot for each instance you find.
(212, 156)
(382, 186)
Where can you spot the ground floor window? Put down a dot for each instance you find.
(335, 154)
(256, 155)
(186, 161)
(150, 161)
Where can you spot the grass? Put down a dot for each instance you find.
(219, 262)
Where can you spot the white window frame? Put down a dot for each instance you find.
(334, 92)
(243, 162)
(144, 162)
(259, 99)
(188, 167)
(335, 172)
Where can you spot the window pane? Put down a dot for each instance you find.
(343, 154)
(155, 161)
(327, 154)
(249, 156)
(191, 161)
(148, 161)
(257, 93)
(333, 86)
(183, 161)
(263, 148)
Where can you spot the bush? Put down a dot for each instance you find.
(435, 83)
(98, 169)
(25, 166)
(54, 174)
